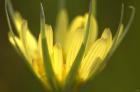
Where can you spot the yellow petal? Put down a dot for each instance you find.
(61, 27)
(80, 22)
(98, 51)
(18, 21)
(49, 36)
(77, 23)
(72, 47)
(38, 67)
(58, 62)
(40, 45)
(16, 41)
(108, 36)
(11, 39)
(29, 42)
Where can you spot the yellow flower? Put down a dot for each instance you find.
(71, 54)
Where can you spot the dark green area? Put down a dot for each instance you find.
(122, 73)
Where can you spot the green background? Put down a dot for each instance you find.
(122, 73)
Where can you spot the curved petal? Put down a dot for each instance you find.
(18, 20)
(77, 23)
(49, 37)
(57, 63)
(108, 36)
(98, 51)
(80, 22)
(73, 45)
(29, 42)
(16, 41)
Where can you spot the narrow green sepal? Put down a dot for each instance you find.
(46, 56)
(11, 33)
(10, 9)
(75, 66)
(94, 8)
(88, 23)
(121, 32)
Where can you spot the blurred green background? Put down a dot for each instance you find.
(122, 73)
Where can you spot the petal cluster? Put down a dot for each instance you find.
(64, 49)
(54, 54)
